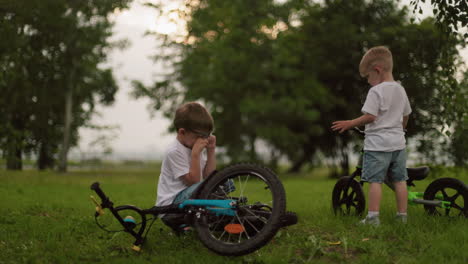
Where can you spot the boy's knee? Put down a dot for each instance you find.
(400, 184)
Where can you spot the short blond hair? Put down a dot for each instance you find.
(376, 56)
(193, 116)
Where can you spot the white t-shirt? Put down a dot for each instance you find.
(176, 163)
(389, 103)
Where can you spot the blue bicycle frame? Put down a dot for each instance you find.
(191, 206)
(219, 207)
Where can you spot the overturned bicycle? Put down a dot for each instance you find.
(234, 212)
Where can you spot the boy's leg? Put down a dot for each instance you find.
(375, 196)
(375, 168)
(401, 193)
(399, 176)
(175, 222)
(374, 171)
(186, 193)
(178, 222)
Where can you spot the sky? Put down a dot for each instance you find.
(139, 136)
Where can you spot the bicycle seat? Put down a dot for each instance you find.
(417, 174)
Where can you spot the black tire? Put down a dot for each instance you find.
(261, 203)
(348, 197)
(453, 191)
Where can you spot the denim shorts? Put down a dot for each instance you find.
(378, 164)
(186, 193)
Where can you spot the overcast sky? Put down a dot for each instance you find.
(139, 136)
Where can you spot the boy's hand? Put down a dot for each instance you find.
(199, 145)
(211, 142)
(342, 126)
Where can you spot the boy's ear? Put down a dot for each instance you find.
(181, 131)
(378, 69)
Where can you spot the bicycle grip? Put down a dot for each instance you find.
(95, 187)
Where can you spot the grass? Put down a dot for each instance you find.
(47, 217)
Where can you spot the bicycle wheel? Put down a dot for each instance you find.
(348, 197)
(449, 190)
(261, 202)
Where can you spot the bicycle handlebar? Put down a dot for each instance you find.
(95, 187)
(106, 203)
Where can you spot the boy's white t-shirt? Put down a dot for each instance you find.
(176, 163)
(389, 103)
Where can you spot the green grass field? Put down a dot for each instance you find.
(46, 217)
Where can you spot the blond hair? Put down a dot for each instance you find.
(193, 116)
(376, 56)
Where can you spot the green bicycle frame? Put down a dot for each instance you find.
(417, 198)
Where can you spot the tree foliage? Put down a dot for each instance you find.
(451, 15)
(281, 73)
(452, 95)
(53, 46)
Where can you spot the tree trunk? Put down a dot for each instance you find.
(14, 157)
(308, 153)
(344, 162)
(274, 158)
(67, 127)
(252, 151)
(45, 159)
(14, 148)
(297, 165)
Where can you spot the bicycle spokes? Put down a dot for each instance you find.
(349, 200)
(348, 197)
(250, 217)
(453, 203)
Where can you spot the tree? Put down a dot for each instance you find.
(452, 18)
(281, 73)
(451, 15)
(55, 53)
(336, 34)
(459, 141)
(233, 46)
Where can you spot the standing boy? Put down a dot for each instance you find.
(186, 163)
(385, 116)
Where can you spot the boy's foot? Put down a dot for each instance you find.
(370, 220)
(224, 189)
(401, 218)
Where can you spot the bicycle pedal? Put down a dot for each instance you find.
(99, 210)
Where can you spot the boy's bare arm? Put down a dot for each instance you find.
(344, 125)
(405, 121)
(211, 156)
(210, 163)
(194, 172)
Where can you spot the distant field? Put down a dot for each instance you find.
(47, 217)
